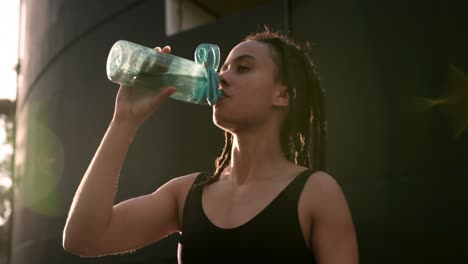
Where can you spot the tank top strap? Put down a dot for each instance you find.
(293, 191)
(196, 189)
(192, 207)
(302, 178)
(201, 177)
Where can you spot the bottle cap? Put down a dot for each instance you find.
(209, 55)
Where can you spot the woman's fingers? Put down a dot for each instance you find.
(166, 92)
(163, 96)
(165, 49)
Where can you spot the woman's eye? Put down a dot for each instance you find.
(242, 68)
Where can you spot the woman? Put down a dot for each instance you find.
(262, 204)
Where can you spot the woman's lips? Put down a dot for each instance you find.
(224, 94)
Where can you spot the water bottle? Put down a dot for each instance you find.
(133, 65)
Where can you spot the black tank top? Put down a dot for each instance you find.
(272, 236)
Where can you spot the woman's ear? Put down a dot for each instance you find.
(281, 96)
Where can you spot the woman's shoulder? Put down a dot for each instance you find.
(180, 188)
(322, 177)
(181, 185)
(320, 183)
(184, 182)
(323, 191)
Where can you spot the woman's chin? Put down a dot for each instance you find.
(221, 121)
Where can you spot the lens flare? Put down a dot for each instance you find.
(453, 102)
(39, 163)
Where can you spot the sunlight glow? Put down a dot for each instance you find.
(9, 26)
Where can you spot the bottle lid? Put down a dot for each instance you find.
(208, 55)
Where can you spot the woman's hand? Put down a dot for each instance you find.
(135, 104)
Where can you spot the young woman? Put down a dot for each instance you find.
(262, 204)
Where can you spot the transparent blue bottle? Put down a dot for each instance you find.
(133, 65)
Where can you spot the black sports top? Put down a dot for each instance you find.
(272, 236)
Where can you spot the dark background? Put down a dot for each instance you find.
(403, 166)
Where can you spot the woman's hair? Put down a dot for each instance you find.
(298, 72)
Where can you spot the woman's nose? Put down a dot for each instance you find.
(223, 80)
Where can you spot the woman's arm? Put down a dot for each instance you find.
(94, 225)
(333, 238)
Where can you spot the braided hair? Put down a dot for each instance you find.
(306, 114)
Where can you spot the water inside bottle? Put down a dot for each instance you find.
(189, 88)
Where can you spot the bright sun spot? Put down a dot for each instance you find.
(9, 26)
(9, 30)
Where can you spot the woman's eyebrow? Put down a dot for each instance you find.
(239, 59)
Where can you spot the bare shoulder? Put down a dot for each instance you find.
(321, 182)
(179, 187)
(333, 238)
(183, 181)
(322, 189)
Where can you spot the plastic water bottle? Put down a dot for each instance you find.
(133, 65)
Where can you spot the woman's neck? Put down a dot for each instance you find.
(255, 156)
